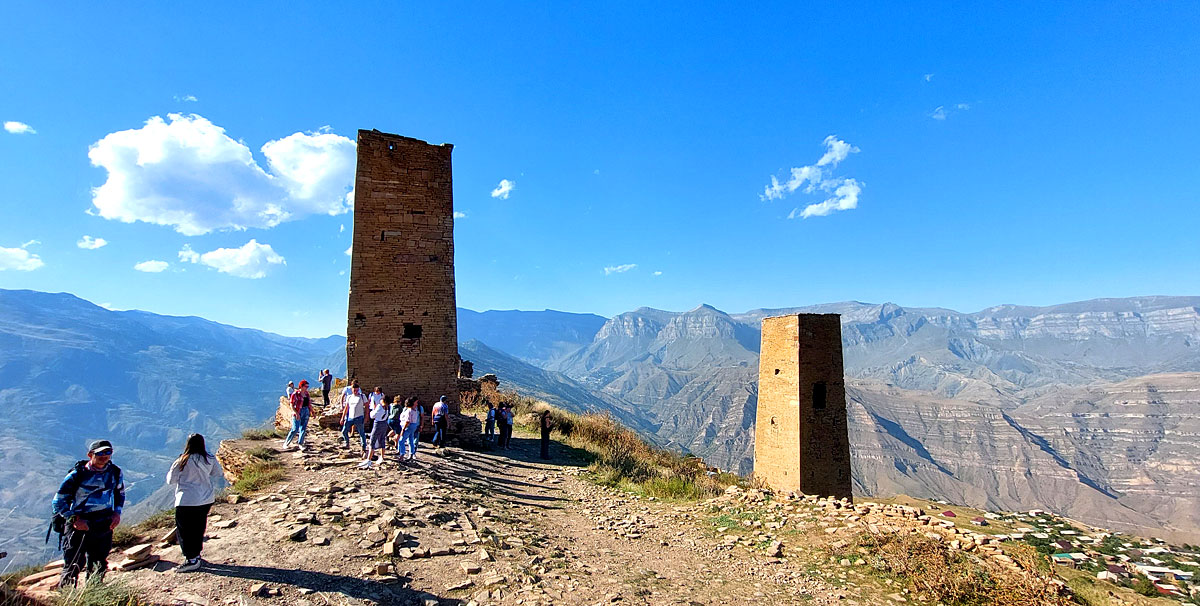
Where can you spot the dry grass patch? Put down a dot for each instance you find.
(263, 471)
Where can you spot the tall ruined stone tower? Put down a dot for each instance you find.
(402, 331)
(801, 442)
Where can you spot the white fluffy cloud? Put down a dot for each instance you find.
(19, 128)
(187, 173)
(19, 259)
(504, 189)
(253, 260)
(842, 193)
(349, 250)
(619, 269)
(152, 267)
(90, 243)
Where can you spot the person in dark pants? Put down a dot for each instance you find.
(326, 385)
(504, 423)
(441, 411)
(192, 475)
(90, 499)
(545, 425)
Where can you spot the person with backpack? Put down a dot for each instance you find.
(89, 504)
(505, 426)
(441, 412)
(301, 412)
(394, 424)
(192, 475)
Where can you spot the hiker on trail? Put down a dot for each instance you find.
(353, 407)
(291, 389)
(544, 423)
(410, 424)
(301, 411)
(326, 385)
(374, 398)
(193, 475)
(393, 422)
(90, 500)
(489, 427)
(505, 426)
(379, 430)
(441, 412)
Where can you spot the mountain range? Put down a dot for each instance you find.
(1088, 409)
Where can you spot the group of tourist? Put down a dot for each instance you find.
(87, 507)
(88, 504)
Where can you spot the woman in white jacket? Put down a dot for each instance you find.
(193, 475)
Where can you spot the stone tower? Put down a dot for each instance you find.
(402, 331)
(801, 441)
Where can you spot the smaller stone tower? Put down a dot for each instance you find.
(801, 441)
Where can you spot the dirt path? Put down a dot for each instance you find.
(463, 527)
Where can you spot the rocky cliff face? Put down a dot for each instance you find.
(1011, 407)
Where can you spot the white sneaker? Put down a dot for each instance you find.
(189, 566)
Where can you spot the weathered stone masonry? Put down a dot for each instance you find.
(801, 441)
(402, 331)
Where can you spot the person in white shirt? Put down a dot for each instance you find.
(291, 389)
(379, 430)
(192, 475)
(348, 390)
(410, 422)
(353, 417)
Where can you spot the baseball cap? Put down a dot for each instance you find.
(101, 447)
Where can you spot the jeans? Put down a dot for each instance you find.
(356, 423)
(439, 430)
(87, 549)
(408, 441)
(299, 427)
(489, 430)
(190, 523)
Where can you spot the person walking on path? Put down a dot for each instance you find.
(348, 390)
(192, 475)
(352, 417)
(410, 424)
(326, 385)
(291, 389)
(301, 412)
(379, 430)
(441, 411)
(90, 499)
(489, 427)
(374, 398)
(544, 423)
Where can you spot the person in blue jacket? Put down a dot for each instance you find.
(90, 499)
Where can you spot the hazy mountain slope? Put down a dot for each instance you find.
(533, 336)
(75, 372)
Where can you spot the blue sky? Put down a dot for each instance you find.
(1026, 153)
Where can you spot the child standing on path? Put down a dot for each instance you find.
(192, 475)
(379, 431)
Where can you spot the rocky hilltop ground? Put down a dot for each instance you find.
(505, 527)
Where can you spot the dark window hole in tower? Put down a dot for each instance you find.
(776, 371)
(382, 236)
(411, 331)
(818, 395)
(391, 146)
(416, 212)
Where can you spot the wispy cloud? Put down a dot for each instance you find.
(90, 243)
(928, 77)
(460, 215)
(657, 273)
(504, 189)
(186, 98)
(19, 259)
(185, 172)
(842, 192)
(619, 269)
(349, 250)
(29, 243)
(942, 112)
(252, 261)
(19, 128)
(152, 267)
